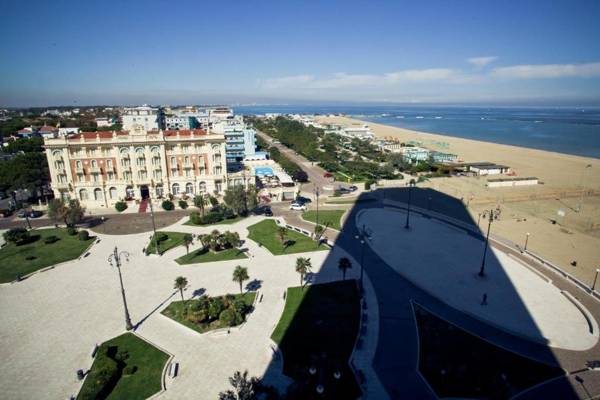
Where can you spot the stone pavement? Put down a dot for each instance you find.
(52, 320)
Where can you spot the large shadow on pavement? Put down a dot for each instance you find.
(459, 305)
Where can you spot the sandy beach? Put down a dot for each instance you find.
(564, 178)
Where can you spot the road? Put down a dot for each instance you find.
(314, 172)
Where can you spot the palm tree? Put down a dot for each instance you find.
(240, 274)
(187, 240)
(180, 284)
(319, 231)
(282, 233)
(205, 240)
(344, 264)
(200, 201)
(244, 388)
(303, 266)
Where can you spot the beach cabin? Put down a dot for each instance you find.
(487, 168)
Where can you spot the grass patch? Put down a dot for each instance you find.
(265, 234)
(473, 368)
(197, 314)
(120, 356)
(205, 255)
(331, 218)
(174, 239)
(227, 221)
(318, 327)
(35, 255)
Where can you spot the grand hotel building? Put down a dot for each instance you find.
(101, 168)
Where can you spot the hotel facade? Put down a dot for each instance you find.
(101, 168)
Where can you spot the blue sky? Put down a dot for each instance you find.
(487, 52)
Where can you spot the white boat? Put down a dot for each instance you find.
(420, 117)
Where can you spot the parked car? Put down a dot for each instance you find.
(353, 188)
(302, 200)
(344, 190)
(22, 214)
(268, 212)
(35, 214)
(298, 207)
(327, 175)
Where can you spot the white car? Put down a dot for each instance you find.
(298, 207)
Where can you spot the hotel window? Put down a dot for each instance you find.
(59, 165)
(217, 170)
(78, 164)
(94, 164)
(218, 186)
(186, 149)
(109, 164)
(62, 178)
(158, 174)
(142, 175)
(174, 162)
(127, 175)
(80, 177)
(95, 177)
(110, 175)
(125, 162)
(141, 162)
(188, 172)
(186, 160)
(217, 158)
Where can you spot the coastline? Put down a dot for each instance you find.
(558, 170)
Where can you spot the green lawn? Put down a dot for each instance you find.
(331, 218)
(265, 234)
(174, 239)
(204, 255)
(229, 221)
(320, 320)
(175, 312)
(143, 383)
(13, 260)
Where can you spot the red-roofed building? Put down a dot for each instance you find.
(101, 168)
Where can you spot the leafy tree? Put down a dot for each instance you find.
(303, 266)
(187, 241)
(300, 176)
(57, 210)
(26, 145)
(25, 171)
(75, 213)
(282, 233)
(235, 198)
(344, 264)
(240, 274)
(213, 200)
(319, 231)
(180, 284)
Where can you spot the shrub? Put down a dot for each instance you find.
(51, 239)
(130, 370)
(213, 201)
(368, 183)
(161, 237)
(16, 235)
(227, 317)
(228, 213)
(84, 235)
(71, 231)
(168, 205)
(120, 206)
(195, 218)
(183, 204)
(215, 308)
(211, 218)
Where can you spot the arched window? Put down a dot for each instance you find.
(129, 192)
(139, 151)
(189, 188)
(159, 190)
(83, 194)
(175, 188)
(155, 149)
(94, 164)
(57, 153)
(97, 194)
(112, 192)
(124, 151)
(202, 187)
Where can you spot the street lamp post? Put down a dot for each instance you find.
(114, 259)
(408, 207)
(361, 237)
(526, 240)
(595, 279)
(154, 227)
(317, 196)
(492, 214)
(579, 207)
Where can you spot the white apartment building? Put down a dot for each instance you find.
(144, 117)
(101, 168)
(180, 122)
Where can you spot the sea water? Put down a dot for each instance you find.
(563, 130)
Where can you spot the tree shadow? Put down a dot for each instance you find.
(198, 292)
(254, 285)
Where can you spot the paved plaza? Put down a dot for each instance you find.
(444, 261)
(52, 320)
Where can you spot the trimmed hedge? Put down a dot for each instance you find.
(101, 378)
(51, 239)
(84, 235)
(183, 204)
(168, 205)
(120, 206)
